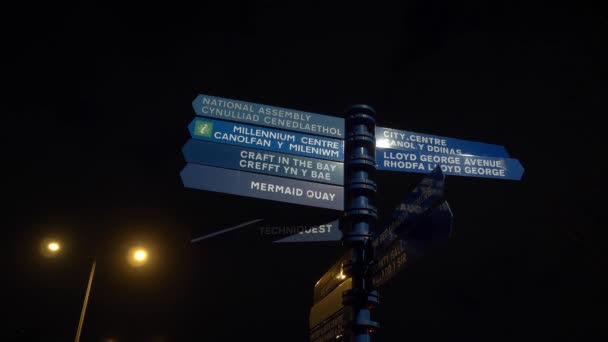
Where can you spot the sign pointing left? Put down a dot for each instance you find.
(267, 162)
(269, 116)
(262, 186)
(267, 139)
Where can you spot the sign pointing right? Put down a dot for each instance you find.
(416, 142)
(451, 164)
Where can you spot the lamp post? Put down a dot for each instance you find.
(137, 256)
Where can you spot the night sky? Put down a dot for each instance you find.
(97, 102)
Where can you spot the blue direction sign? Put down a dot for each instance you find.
(270, 116)
(425, 143)
(262, 186)
(427, 194)
(266, 139)
(260, 161)
(455, 165)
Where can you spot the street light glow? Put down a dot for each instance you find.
(137, 256)
(50, 247)
(53, 246)
(140, 255)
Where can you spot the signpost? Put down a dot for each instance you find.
(275, 164)
(273, 153)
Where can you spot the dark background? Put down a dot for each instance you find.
(98, 97)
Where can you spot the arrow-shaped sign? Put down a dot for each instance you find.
(423, 143)
(262, 186)
(266, 162)
(271, 116)
(266, 139)
(454, 165)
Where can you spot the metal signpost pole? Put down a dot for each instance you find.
(360, 215)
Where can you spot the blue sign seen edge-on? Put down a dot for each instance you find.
(270, 116)
(411, 141)
(427, 194)
(437, 226)
(266, 139)
(262, 186)
(412, 244)
(266, 162)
